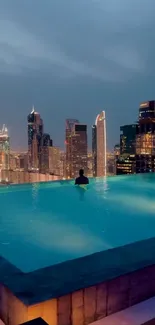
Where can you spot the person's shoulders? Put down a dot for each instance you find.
(87, 179)
(77, 180)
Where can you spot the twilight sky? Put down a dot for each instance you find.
(74, 58)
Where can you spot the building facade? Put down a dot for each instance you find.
(126, 161)
(35, 133)
(99, 146)
(46, 143)
(94, 151)
(145, 139)
(55, 161)
(79, 149)
(20, 177)
(90, 164)
(128, 139)
(126, 164)
(68, 143)
(110, 163)
(4, 149)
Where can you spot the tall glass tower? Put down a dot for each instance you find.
(99, 145)
(35, 132)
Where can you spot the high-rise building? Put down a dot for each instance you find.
(79, 149)
(21, 161)
(4, 148)
(68, 142)
(126, 164)
(90, 165)
(126, 161)
(94, 150)
(99, 146)
(110, 163)
(55, 161)
(44, 153)
(35, 132)
(18, 160)
(128, 139)
(117, 150)
(145, 140)
(62, 164)
(116, 156)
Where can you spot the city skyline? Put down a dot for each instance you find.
(89, 130)
(75, 72)
(133, 154)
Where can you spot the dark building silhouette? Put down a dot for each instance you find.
(46, 140)
(128, 139)
(68, 142)
(35, 132)
(44, 153)
(79, 149)
(126, 161)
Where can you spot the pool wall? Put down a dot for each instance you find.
(83, 306)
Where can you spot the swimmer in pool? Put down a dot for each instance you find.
(81, 180)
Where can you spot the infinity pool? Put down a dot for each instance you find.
(43, 224)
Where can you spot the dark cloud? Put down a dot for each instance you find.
(74, 58)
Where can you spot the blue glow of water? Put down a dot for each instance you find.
(47, 223)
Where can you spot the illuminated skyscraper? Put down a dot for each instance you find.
(4, 149)
(126, 162)
(68, 142)
(89, 165)
(35, 132)
(99, 145)
(79, 149)
(145, 140)
(117, 150)
(94, 151)
(54, 161)
(128, 139)
(110, 163)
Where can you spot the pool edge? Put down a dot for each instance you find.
(61, 279)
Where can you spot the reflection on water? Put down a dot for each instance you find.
(81, 189)
(35, 189)
(102, 186)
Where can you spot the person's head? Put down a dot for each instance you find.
(81, 172)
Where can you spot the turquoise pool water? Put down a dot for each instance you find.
(43, 224)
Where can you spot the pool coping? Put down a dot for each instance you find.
(61, 279)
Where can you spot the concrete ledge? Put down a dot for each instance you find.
(84, 306)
